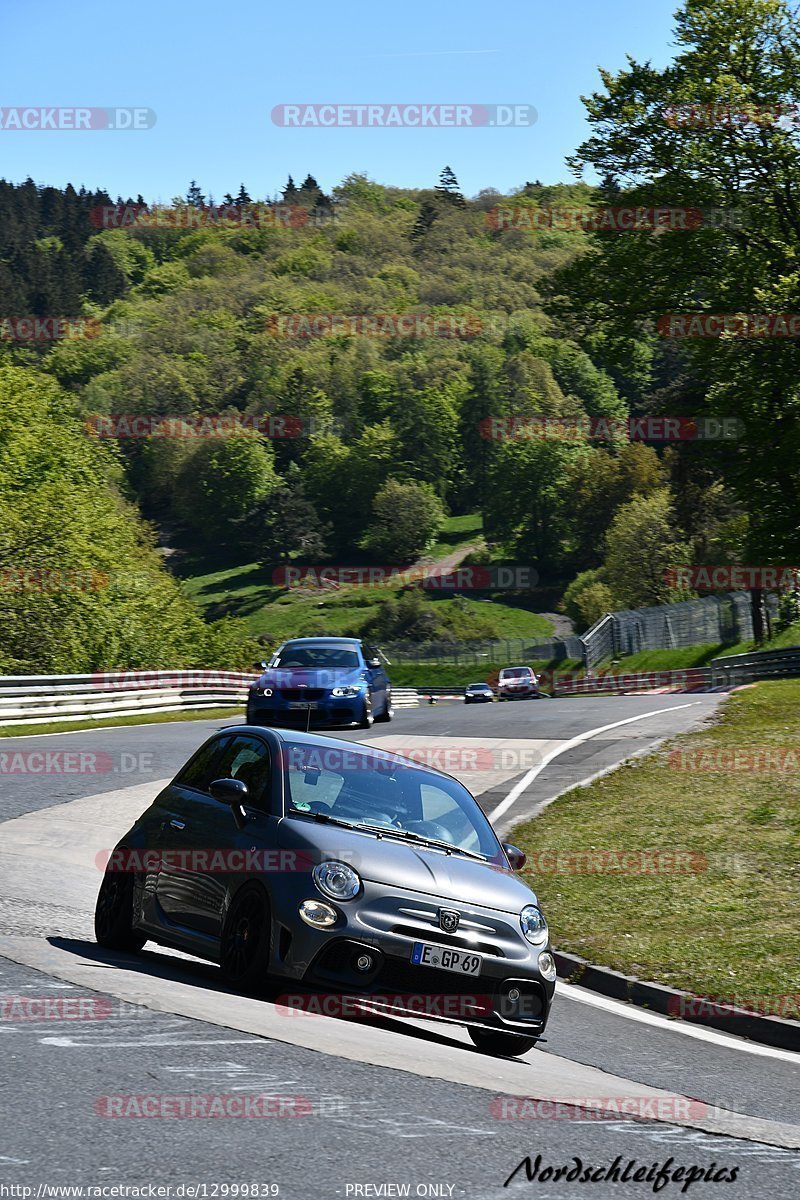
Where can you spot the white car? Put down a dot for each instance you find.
(517, 683)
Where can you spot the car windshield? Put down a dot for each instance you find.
(478, 687)
(387, 793)
(315, 656)
(516, 673)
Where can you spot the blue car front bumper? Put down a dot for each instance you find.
(325, 709)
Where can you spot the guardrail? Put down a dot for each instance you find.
(758, 664)
(39, 699)
(721, 673)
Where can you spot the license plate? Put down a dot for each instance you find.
(303, 704)
(444, 959)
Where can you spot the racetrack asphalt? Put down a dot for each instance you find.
(386, 1101)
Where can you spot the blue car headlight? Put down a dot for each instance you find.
(533, 925)
(337, 880)
(346, 691)
(261, 691)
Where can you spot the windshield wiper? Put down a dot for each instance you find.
(408, 835)
(411, 836)
(326, 818)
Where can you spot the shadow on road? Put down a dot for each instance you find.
(159, 965)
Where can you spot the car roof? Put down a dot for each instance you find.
(316, 739)
(322, 641)
(486, 685)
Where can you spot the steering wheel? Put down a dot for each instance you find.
(431, 829)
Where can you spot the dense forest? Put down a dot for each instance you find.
(311, 377)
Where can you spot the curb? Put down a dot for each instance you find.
(698, 1010)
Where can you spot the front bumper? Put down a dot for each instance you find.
(509, 993)
(326, 710)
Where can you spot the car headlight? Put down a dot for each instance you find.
(262, 691)
(547, 966)
(317, 914)
(337, 880)
(533, 925)
(345, 691)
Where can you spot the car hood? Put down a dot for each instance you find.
(319, 677)
(410, 867)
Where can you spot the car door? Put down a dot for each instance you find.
(182, 808)
(219, 853)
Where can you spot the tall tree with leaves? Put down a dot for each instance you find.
(448, 188)
(194, 196)
(706, 133)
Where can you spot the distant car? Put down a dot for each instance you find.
(331, 681)
(287, 856)
(478, 693)
(517, 683)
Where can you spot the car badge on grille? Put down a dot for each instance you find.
(448, 920)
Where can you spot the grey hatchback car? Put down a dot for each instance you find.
(297, 857)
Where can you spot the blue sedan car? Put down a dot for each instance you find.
(321, 681)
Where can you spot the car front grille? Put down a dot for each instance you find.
(308, 693)
(448, 939)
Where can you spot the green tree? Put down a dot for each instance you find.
(82, 587)
(221, 481)
(283, 524)
(448, 188)
(408, 517)
(643, 545)
(528, 500)
(665, 137)
(587, 599)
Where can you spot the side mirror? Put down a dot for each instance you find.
(233, 793)
(263, 665)
(515, 856)
(373, 662)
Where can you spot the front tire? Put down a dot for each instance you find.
(246, 939)
(113, 914)
(501, 1045)
(367, 718)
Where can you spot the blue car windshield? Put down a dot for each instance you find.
(386, 792)
(315, 657)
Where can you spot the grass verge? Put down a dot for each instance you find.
(724, 924)
(206, 714)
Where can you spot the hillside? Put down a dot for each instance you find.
(332, 380)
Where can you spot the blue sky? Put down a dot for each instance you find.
(213, 72)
